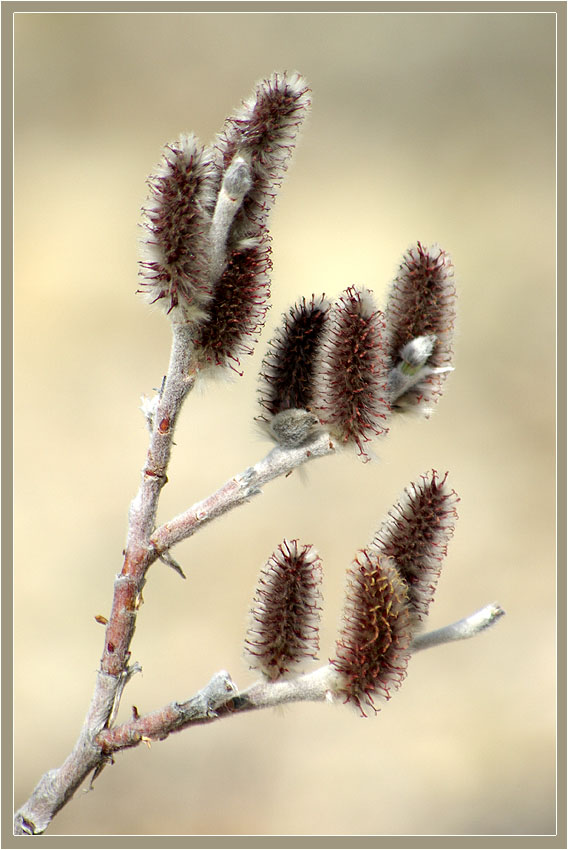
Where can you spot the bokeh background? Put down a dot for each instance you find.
(438, 127)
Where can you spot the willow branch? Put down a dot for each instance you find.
(461, 629)
(238, 490)
(221, 698)
(57, 786)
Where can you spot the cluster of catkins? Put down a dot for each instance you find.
(390, 586)
(206, 246)
(345, 367)
(206, 258)
(336, 366)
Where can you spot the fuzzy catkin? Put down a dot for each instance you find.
(237, 309)
(176, 218)
(263, 131)
(421, 303)
(415, 536)
(249, 161)
(284, 623)
(288, 369)
(352, 381)
(371, 650)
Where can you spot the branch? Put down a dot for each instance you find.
(201, 708)
(96, 741)
(178, 382)
(221, 698)
(57, 786)
(460, 630)
(238, 490)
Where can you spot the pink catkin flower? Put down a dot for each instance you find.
(415, 536)
(237, 309)
(351, 384)
(263, 132)
(288, 369)
(421, 303)
(285, 616)
(372, 647)
(175, 250)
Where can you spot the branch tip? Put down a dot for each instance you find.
(468, 627)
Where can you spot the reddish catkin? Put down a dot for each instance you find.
(264, 133)
(421, 303)
(288, 369)
(176, 218)
(371, 651)
(256, 145)
(237, 309)
(351, 381)
(284, 625)
(415, 536)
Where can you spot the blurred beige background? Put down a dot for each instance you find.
(438, 127)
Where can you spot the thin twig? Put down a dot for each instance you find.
(461, 629)
(238, 490)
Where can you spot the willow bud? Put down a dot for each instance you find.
(293, 427)
(236, 183)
